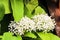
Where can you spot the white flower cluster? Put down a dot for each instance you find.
(14, 27)
(44, 22)
(27, 24)
(38, 22)
(24, 25)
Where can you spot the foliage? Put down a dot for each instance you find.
(39, 10)
(47, 36)
(30, 6)
(6, 5)
(9, 36)
(30, 34)
(42, 36)
(20, 8)
(2, 11)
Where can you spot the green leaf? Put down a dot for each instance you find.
(9, 36)
(38, 39)
(30, 6)
(18, 9)
(2, 11)
(19, 37)
(30, 34)
(44, 36)
(1, 36)
(27, 12)
(47, 36)
(6, 5)
(39, 10)
(16, 38)
(53, 37)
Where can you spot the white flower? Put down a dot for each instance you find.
(14, 27)
(25, 24)
(44, 22)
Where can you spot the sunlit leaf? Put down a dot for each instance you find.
(53, 37)
(30, 6)
(14, 38)
(39, 10)
(19, 37)
(9, 36)
(43, 36)
(18, 9)
(30, 34)
(47, 36)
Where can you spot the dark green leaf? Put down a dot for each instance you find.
(27, 12)
(2, 11)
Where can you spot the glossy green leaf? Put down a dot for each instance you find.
(2, 11)
(30, 6)
(6, 5)
(27, 12)
(30, 34)
(19, 37)
(47, 36)
(53, 37)
(16, 38)
(18, 9)
(9, 36)
(44, 36)
(39, 10)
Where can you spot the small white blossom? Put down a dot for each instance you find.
(14, 27)
(25, 24)
(44, 22)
